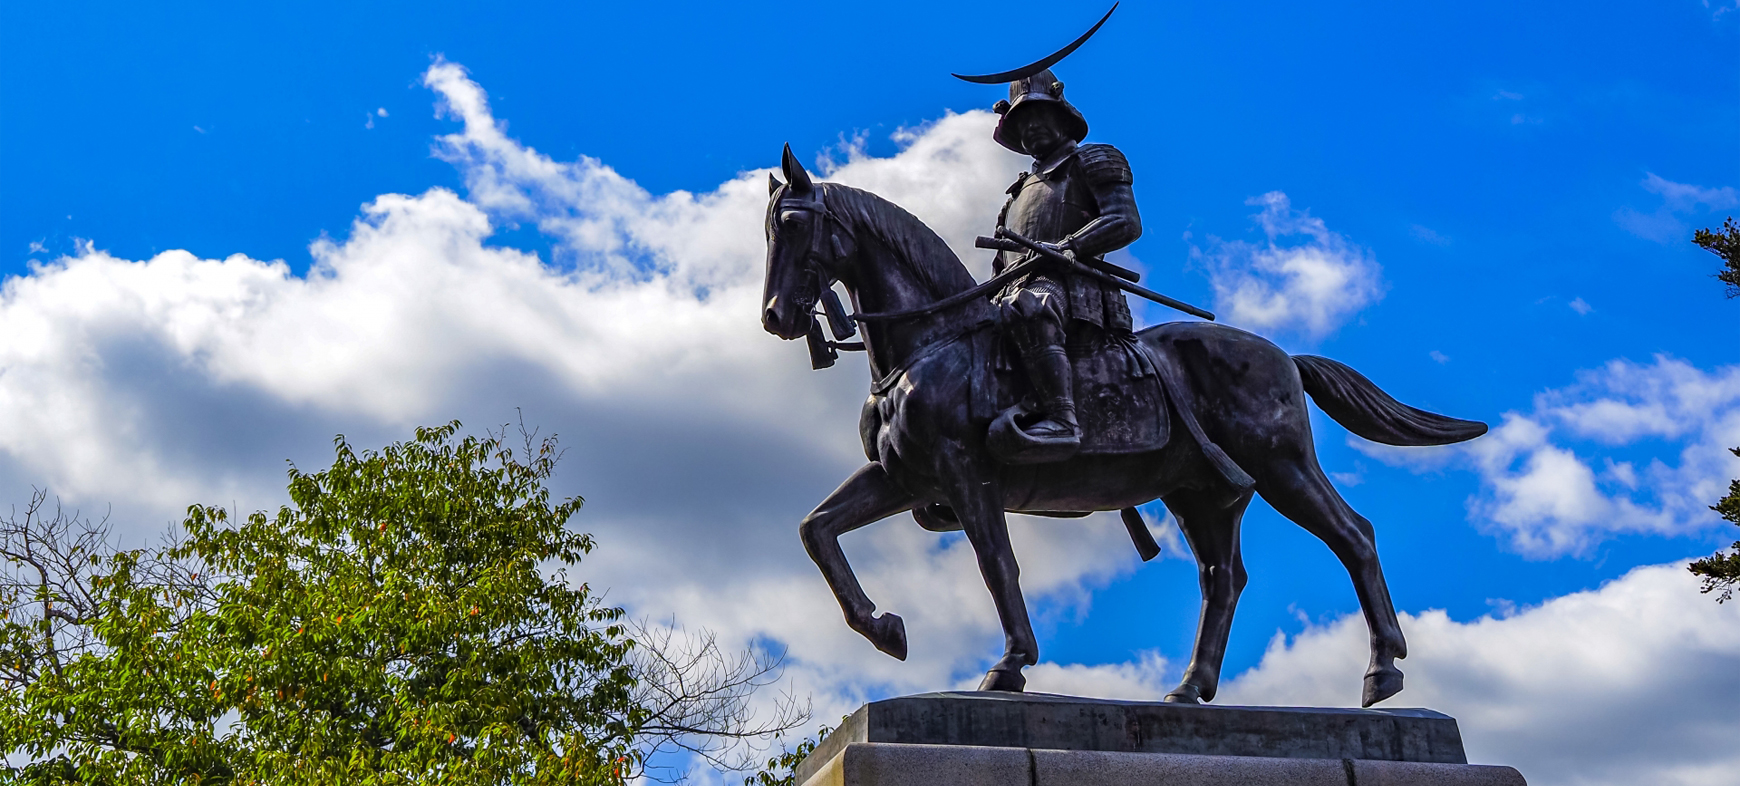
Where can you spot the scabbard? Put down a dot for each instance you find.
(1076, 265)
(1136, 289)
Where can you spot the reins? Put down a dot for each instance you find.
(952, 300)
(843, 325)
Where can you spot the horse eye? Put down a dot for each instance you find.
(789, 216)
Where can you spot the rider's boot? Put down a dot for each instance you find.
(1049, 371)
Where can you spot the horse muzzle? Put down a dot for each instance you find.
(776, 318)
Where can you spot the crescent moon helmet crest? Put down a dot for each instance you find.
(1039, 65)
(1034, 85)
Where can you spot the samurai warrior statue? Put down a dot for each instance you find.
(1077, 200)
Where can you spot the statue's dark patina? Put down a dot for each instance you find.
(1030, 393)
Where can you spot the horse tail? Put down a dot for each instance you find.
(1362, 408)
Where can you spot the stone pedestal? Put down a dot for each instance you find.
(998, 739)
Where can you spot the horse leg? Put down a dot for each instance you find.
(1298, 489)
(979, 506)
(869, 495)
(1210, 523)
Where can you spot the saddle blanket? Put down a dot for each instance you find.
(1119, 399)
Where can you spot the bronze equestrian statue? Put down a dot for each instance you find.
(1198, 415)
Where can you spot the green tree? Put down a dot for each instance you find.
(1725, 244)
(406, 619)
(1721, 571)
(781, 770)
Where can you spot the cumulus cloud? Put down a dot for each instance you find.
(1304, 279)
(1630, 683)
(1146, 679)
(151, 384)
(1558, 480)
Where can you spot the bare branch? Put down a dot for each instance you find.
(699, 697)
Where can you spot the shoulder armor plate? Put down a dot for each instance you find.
(1104, 164)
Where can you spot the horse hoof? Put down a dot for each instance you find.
(1184, 694)
(1380, 685)
(890, 634)
(1006, 680)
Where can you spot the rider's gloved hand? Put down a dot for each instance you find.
(1063, 247)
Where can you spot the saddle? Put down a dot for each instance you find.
(1121, 405)
(1120, 400)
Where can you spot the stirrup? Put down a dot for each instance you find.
(1053, 429)
(1009, 443)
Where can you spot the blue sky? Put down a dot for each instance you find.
(1486, 210)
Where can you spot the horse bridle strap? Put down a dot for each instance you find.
(813, 258)
(813, 261)
(990, 285)
(816, 264)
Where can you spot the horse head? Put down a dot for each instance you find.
(806, 250)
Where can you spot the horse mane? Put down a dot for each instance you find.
(919, 247)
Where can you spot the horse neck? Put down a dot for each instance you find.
(883, 280)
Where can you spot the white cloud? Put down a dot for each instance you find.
(1546, 484)
(1631, 683)
(1309, 288)
(1428, 235)
(152, 384)
(1581, 306)
(1663, 225)
(1147, 679)
(1685, 197)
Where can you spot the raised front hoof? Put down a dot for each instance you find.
(1006, 680)
(888, 633)
(1184, 694)
(1010, 444)
(1380, 685)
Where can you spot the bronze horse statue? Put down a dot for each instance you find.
(1241, 398)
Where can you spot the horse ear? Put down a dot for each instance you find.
(794, 172)
(773, 184)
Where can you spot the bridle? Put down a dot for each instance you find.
(821, 255)
(825, 249)
(817, 261)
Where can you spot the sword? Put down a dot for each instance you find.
(1005, 235)
(1005, 244)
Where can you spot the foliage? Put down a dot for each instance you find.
(1725, 244)
(1721, 571)
(407, 619)
(781, 770)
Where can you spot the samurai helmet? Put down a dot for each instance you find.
(1034, 85)
(1032, 91)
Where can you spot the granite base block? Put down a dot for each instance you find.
(1028, 739)
(897, 764)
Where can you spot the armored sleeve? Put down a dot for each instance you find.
(1118, 224)
(1104, 165)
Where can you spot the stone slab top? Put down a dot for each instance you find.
(1047, 721)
